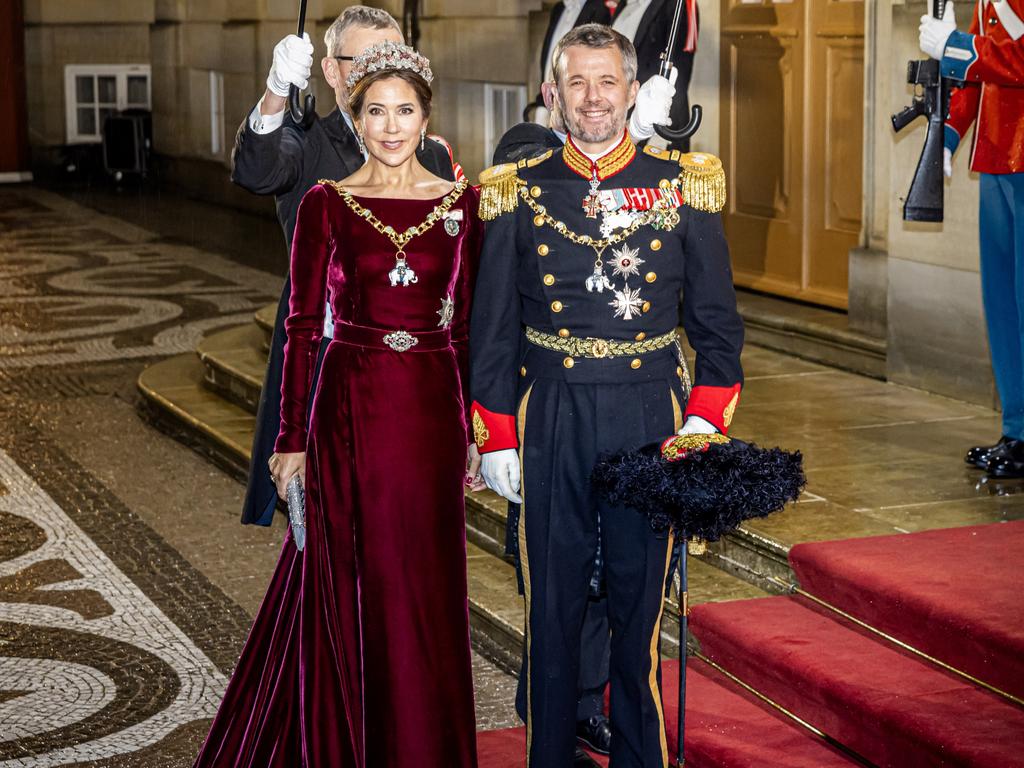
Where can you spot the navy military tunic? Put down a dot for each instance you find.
(562, 408)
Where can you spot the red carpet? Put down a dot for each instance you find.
(954, 594)
(886, 704)
(726, 727)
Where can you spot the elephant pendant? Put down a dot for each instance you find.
(402, 274)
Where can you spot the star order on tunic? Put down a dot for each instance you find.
(447, 311)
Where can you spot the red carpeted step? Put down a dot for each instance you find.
(726, 728)
(952, 593)
(886, 704)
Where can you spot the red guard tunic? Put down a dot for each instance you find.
(990, 59)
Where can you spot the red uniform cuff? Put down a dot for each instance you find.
(493, 431)
(715, 404)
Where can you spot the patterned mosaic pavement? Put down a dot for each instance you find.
(126, 583)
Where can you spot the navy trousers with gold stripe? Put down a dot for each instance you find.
(564, 428)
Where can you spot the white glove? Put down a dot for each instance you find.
(653, 105)
(935, 32)
(695, 425)
(947, 162)
(502, 474)
(293, 62)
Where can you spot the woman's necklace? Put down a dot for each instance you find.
(402, 274)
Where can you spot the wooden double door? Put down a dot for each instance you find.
(792, 104)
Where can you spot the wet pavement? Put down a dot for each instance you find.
(127, 584)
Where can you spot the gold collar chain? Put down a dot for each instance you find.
(400, 240)
(661, 209)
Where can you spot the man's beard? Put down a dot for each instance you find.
(613, 127)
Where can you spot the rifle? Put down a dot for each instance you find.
(925, 199)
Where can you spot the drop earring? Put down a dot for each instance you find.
(423, 139)
(361, 143)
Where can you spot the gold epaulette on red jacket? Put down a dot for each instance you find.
(714, 404)
(493, 431)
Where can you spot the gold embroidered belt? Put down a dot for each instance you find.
(599, 348)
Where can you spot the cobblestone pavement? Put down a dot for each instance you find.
(126, 583)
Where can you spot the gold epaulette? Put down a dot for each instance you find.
(702, 181)
(701, 178)
(499, 190)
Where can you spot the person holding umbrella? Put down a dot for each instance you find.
(275, 155)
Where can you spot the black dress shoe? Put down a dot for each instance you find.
(1009, 463)
(980, 455)
(595, 733)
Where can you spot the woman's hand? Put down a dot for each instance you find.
(285, 466)
(474, 480)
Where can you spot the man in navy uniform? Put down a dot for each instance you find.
(275, 156)
(574, 355)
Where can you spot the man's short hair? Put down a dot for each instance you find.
(596, 36)
(357, 16)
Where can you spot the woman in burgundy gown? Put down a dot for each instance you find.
(359, 655)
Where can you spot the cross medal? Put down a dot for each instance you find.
(592, 203)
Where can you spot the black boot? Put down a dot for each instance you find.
(980, 455)
(595, 733)
(1009, 463)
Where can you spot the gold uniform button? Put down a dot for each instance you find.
(636, 363)
(655, 244)
(641, 336)
(549, 279)
(568, 362)
(543, 249)
(556, 306)
(650, 277)
(679, 372)
(646, 307)
(538, 220)
(535, 191)
(564, 333)
(522, 371)
(664, 183)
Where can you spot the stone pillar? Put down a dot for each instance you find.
(14, 155)
(869, 277)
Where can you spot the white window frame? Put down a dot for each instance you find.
(121, 72)
(216, 113)
(493, 130)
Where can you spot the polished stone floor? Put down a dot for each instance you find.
(127, 584)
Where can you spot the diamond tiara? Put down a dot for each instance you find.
(388, 55)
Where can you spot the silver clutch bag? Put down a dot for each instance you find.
(297, 511)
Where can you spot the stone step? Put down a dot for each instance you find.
(234, 362)
(178, 401)
(265, 320)
(812, 333)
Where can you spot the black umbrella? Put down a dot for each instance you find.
(696, 112)
(305, 115)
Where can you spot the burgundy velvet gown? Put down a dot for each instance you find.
(359, 655)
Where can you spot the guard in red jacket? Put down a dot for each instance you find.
(989, 59)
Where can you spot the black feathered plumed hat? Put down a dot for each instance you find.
(701, 486)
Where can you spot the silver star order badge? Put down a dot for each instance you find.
(626, 302)
(447, 311)
(627, 261)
